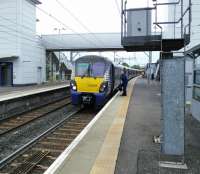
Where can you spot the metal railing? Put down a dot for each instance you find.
(178, 32)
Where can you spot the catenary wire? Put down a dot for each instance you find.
(79, 21)
(53, 17)
(23, 35)
(118, 8)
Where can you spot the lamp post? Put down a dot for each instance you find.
(59, 57)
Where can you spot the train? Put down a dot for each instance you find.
(95, 78)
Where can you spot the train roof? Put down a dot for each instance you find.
(93, 57)
(128, 68)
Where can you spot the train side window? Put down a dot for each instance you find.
(196, 93)
(197, 77)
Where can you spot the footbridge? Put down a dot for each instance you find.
(83, 42)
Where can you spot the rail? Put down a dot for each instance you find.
(18, 152)
(12, 124)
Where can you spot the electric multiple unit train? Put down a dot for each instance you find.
(94, 78)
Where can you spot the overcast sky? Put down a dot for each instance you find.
(94, 16)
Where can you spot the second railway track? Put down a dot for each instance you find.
(15, 122)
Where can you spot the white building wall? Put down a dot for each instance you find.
(18, 38)
(9, 37)
(194, 41)
(195, 26)
(174, 14)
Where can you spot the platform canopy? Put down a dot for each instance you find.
(83, 42)
(4, 57)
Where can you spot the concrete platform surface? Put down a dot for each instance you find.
(138, 154)
(120, 139)
(96, 152)
(7, 93)
(142, 123)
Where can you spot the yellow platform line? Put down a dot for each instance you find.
(106, 159)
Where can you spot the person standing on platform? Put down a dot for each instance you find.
(124, 82)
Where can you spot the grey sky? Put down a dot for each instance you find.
(96, 15)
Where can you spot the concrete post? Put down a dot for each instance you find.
(173, 104)
(51, 66)
(150, 56)
(71, 56)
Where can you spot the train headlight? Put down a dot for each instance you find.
(103, 87)
(74, 88)
(73, 85)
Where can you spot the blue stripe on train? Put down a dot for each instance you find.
(75, 97)
(100, 98)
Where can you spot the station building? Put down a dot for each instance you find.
(22, 56)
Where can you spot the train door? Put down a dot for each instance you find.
(6, 74)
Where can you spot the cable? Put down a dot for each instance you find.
(53, 17)
(22, 26)
(17, 32)
(22, 35)
(77, 19)
(35, 45)
(118, 8)
(9, 20)
(6, 19)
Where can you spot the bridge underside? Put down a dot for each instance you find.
(83, 42)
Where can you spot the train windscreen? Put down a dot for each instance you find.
(83, 69)
(98, 69)
(95, 69)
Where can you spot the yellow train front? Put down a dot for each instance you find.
(94, 78)
(91, 80)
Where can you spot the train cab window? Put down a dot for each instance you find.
(98, 69)
(83, 69)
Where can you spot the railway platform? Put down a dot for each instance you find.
(18, 100)
(7, 93)
(119, 140)
(111, 142)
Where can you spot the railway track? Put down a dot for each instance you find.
(43, 151)
(15, 122)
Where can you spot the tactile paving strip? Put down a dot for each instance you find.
(106, 159)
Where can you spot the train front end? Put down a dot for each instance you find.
(88, 84)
